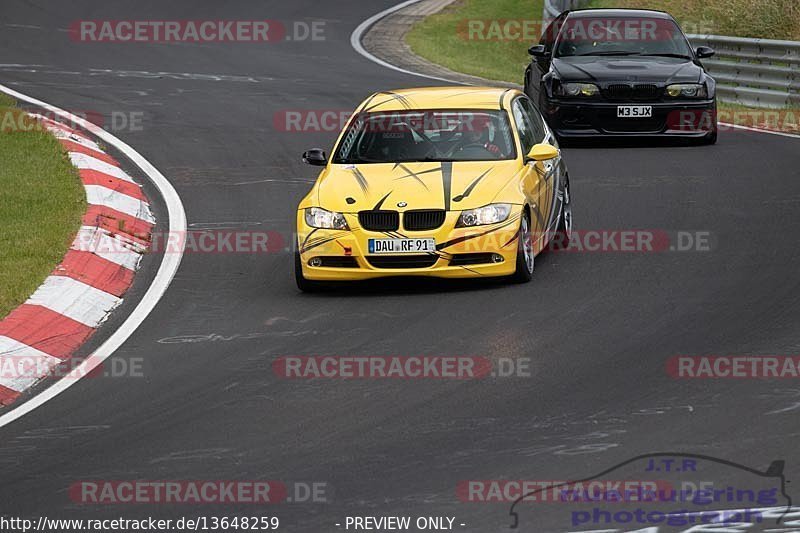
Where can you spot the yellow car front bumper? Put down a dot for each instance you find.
(479, 251)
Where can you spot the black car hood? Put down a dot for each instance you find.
(627, 69)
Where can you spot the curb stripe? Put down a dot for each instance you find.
(7, 396)
(74, 299)
(97, 272)
(72, 146)
(21, 365)
(116, 248)
(115, 222)
(83, 161)
(89, 281)
(45, 330)
(123, 203)
(50, 123)
(62, 135)
(167, 268)
(93, 177)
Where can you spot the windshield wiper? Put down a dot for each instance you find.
(430, 159)
(668, 54)
(356, 160)
(609, 53)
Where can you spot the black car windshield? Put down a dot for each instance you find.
(621, 36)
(427, 135)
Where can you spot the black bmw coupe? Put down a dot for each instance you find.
(622, 73)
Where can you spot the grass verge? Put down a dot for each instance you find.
(444, 38)
(41, 204)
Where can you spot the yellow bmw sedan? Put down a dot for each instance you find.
(451, 182)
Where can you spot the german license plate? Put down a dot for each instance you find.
(401, 246)
(634, 111)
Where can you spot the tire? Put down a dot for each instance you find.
(305, 285)
(564, 232)
(525, 258)
(711, 138)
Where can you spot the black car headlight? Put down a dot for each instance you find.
(687, 90)
(316, 217)
(576, 89)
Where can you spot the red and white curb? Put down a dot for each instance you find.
(91, 279)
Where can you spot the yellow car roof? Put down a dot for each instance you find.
(439, 98)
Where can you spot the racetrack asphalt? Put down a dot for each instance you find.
(597, 327)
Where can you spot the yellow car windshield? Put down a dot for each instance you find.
(427, 135)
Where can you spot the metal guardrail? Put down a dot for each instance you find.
(552, 8)
(757, 72)
(754, 72)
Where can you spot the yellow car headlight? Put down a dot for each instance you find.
(316, 217)
(488, 214)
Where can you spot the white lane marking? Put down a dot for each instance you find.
(166, 271)
(74, 299)
(87, 162)
(25, 26)
(21, 365)
(358, 33)
(114, 248)
(760, 130)
(99, 195)
(793, 407)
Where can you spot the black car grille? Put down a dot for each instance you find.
(402, 261)
(627, 92)
(379, 220)
(423, 219)
(618, 92)
(646, 92)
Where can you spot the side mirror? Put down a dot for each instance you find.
(542, 152)
(538, 50)
(704, 51)
(316, 157)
